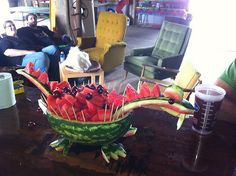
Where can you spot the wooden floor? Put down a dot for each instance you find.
(137, 37)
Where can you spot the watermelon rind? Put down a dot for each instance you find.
(90, 133)
(183, 107)
(42, 87)
(175, 92)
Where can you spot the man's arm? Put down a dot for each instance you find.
(17, 52)
(230, 93)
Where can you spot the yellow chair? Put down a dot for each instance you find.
(108, 48)
(187, 77)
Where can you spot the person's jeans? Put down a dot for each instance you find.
(39, 59)
(47, 60)
(52, 50)
(54, 55)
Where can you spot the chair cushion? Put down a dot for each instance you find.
(140, 60)
(137, 62)
(111, 27)
(96, 54)
(170, 40)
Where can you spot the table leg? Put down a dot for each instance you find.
(93, 79)
(101, 78)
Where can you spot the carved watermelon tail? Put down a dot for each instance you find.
(42, 87)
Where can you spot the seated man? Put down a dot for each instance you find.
(42, 36)
(18, 53)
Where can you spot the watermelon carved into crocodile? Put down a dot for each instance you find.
(91, 115)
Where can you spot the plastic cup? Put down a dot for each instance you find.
(208, 99)
(198, 153)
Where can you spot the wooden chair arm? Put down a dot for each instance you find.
(87, 42)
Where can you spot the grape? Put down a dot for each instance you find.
(66, 90)
(100, 87)
(87, 86)
(56, 93)
(100, 91)
(171, 101)
(89, 96)
(74, 90)
(73, 93)
(92, 86)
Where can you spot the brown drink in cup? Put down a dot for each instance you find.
(208, 99)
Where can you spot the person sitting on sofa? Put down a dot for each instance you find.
(42, 36)
(18, 52)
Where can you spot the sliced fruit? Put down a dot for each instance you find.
(104, 114)
(156, 92)
(53, 85)
(29, 68)
(70, 99)
(131, 93)
(144, 90)
(43, 78)
(114, 99)
(63, 84)
(36, 73)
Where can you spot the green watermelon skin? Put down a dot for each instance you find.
(90, 133)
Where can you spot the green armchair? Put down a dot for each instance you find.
(168, 52)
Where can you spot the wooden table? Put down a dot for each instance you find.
(67, 73)
(156, 149)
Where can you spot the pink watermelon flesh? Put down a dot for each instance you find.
(131, 93)
(174, 92)
(144, 91)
